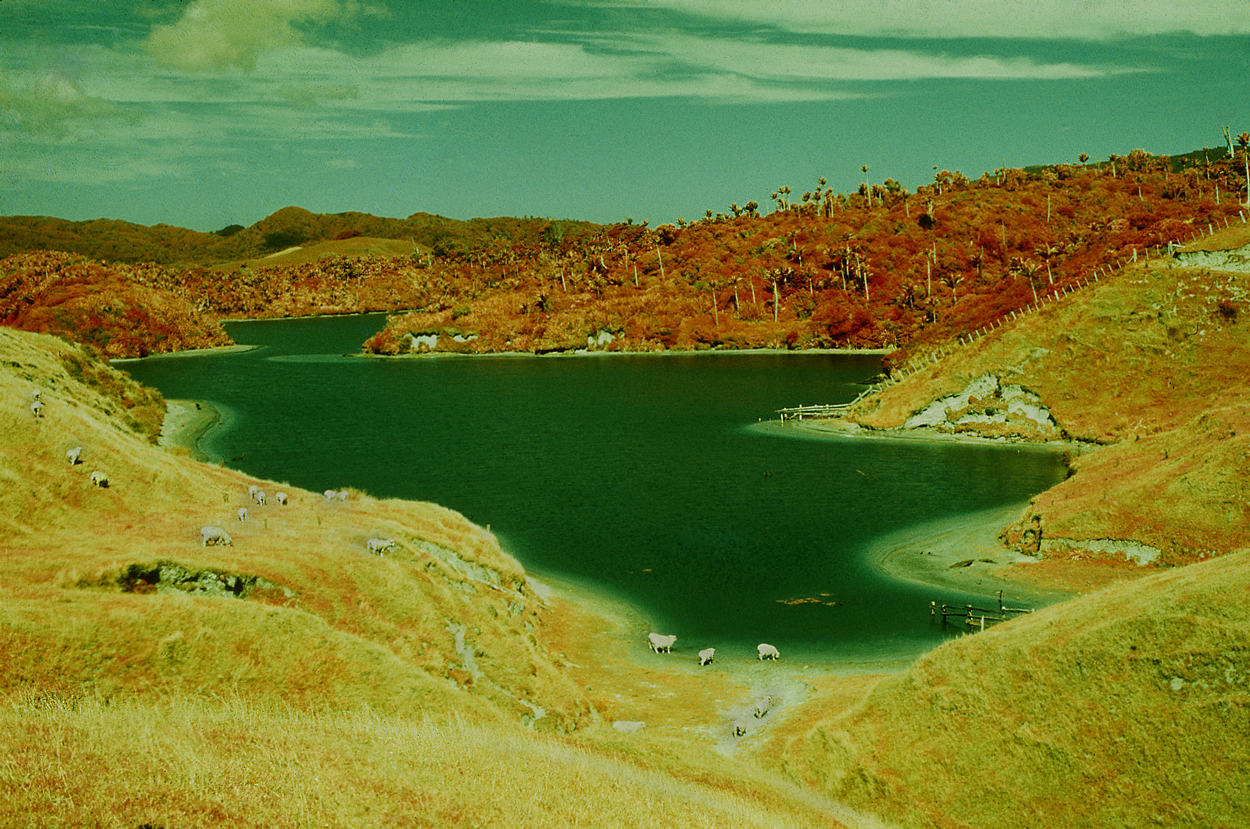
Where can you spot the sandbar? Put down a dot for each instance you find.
(963, 553)
(186, 422)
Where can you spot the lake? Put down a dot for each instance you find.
(662, 479)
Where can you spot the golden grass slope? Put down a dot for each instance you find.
(1127, 707)
(291, 678)
(1153, 364)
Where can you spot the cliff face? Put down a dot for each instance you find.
(1146, 371)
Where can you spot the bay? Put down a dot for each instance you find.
(664, 480)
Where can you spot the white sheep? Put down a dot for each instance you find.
(378, 546)
(259, 497)
(768, 652)
(36, 408)
(74, 456)
(36, 394)
(330, 494)
(215, 535)
(99, 479)
(281, 498)
(763, 705)
(242, 514)
(660, 643)
(706, 655)
(341, 495)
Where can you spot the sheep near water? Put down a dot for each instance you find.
(706, 655)
(768, 652)
(660, 643)
(763, 705)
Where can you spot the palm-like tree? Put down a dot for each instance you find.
(1243, 141)
(864, 170)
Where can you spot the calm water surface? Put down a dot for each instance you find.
(650, 476)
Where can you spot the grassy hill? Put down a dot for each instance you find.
(1152, 365)
(1127, 707)
(291, 678)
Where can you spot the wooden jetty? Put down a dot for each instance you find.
(977, 617)
(804, 412)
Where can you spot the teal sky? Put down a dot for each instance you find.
(215, 112)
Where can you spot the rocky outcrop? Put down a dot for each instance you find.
(989, 407)
(1236, 260)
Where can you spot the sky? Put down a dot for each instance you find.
(209, 113)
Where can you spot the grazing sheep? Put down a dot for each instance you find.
(705, 656)
(215, 535)
(660, 643)
(36, 394)
(99, 479)
(330, 494)
(768, 652)
(763, 705)
(252, 490)
(281, 498)
(259, 497)
(628, 726)
(737, 729)
(379, 546)
(341, 495)
(36, 408)
(242, 514)
(74, 456)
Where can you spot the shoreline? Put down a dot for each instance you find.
(186, 422)
(963, 553)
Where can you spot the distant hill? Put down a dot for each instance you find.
(117, 241)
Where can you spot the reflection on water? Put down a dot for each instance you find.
(649, 475)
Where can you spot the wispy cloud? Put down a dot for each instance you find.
(215, 34)
(1030, 19)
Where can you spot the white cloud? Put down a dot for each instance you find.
(1041, 19)
(216, 34)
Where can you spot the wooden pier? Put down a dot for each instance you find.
(977, 618)
(804, 412)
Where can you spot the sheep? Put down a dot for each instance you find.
(74, 456)
(660, 643)
(628, 726)
(380, 545)
(242, 514)
(341, 495)
(99, 479)
(281, 498)
(737, 729)
(705, 656)
(36, 394)
(252, 490)
(768, 652)
(330, 494)
(259, 497)
(215, 535)
(36, 408)
(763, 705)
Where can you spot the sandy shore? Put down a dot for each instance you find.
(186, 421)
(963, 553)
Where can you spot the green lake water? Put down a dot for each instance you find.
(657, 478)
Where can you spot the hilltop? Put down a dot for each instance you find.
(881, 268)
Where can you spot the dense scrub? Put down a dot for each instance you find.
(879, 268)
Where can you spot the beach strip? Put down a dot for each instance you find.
(186, 422)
